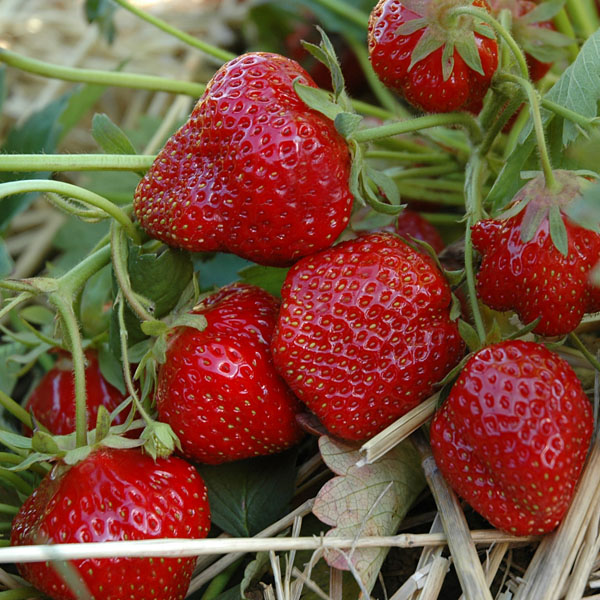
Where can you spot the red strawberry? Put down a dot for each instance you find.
(109, 496)
(52, 402)
(364, 333)
(522, 270)
(412, 59)
(254, 171)
(218, 388)
(513, 435)
(412, 224)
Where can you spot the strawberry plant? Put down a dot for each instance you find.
(236, 365)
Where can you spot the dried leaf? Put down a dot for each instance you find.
(366, 501)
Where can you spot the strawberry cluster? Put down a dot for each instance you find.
(366, 327)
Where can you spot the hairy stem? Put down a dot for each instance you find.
(112, 78)
(72, 191)
(186, 38)
(75, 162)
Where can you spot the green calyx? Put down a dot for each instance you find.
(542, 204)
(442, 28)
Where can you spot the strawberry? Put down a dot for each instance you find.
(52, 402)
(364, 333)
(254, 171)
(218, 388)
(412, 224)
(523, 270)
(115, 495)
(512, 436)
(436, 62)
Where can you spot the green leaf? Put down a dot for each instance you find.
(37, 315)
(78, 105)
(409, 27)
(531, 222)
(546, 45)
(318, 99)
(218, 270)
(467, 48)
(101, 12)
(268, 278)
(370, 500)
(585, 209)
(578, 89)
(347, 123)
(95, 303)
(2, 86)
(110, 137)
(469, 335)
(427, 44)
(248, 495)
(44, 443)
(198, 322)
(6, 262)
(161, 278)
(558, 231)
(447, 61)
(545, 11)
(111, 368)
(386, 184)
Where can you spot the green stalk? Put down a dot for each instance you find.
(41, 468)
(74, 162)
(588, 355)
(218, 583)
(402, 173)
(534, 104)
(119, 261)
(112, 78)
(382, 93)
(14, 303)
(20, 593)
(16, 481)
(563, 24)
(64, 307)
(583, 16)
(72, 191)
(15, 409)
(72, 281)
(431, 195)
(436, 184)
(371, 110)
(186, 38)
(417, 124)
(347, 11)
(569, 114)
(474, 213)
(8, 509)
(485, 16)
(409, 157)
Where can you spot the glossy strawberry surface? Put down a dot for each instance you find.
(52, 402)
(254, 171)
(512, 436)
(115, 495)
(364, 333)
(424, 85)
(533, 278)
(218, 388)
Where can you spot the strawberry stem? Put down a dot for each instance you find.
(72, 191)
(563, 24)
(473, 184)
(186, 38)
(95, 76)
(64, 306)
(22, 297)
(584, 16)
(499, 29)
(15, 409)
(409, 157)
(20, 594)
(588, 355)
(75, 162)
(534, 104)
(417, 124)
(119, 260)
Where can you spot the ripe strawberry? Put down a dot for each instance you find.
(522, 270)
(412, 224)
(513, 435)
(52, 402)
(437, 63)
(364, 333)
(218, 388)
(115, 495)
(254, 171)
